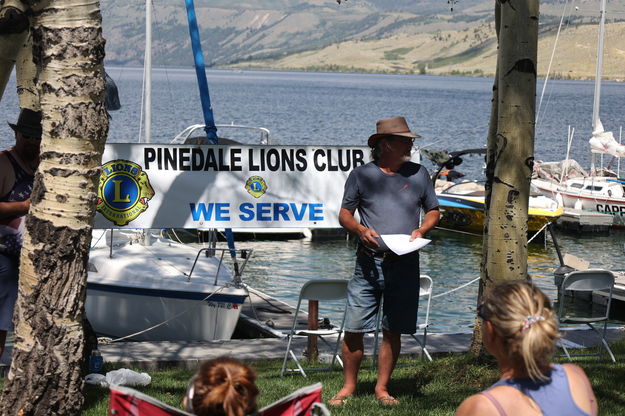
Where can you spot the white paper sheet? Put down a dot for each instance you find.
(400, 244)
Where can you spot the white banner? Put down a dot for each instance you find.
(192, 186)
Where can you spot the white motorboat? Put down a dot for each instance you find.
(462, 203)
(186, 293)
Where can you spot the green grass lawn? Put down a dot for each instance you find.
(423, 388)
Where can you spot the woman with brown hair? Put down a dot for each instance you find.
(520, 329)
(222, 387)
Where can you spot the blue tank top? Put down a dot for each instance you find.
(553, 397)
(11, 229)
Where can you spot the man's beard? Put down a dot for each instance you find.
(407, 156)
(29, 155)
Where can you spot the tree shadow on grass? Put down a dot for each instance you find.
(607, 382)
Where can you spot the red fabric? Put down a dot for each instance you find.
(122, 404)
(299, 406)
(128, 404)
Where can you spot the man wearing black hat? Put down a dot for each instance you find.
(389, 193)
(17, 170)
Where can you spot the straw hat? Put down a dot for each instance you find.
(394, 126)
(28, 123)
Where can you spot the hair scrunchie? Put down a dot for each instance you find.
(530, 320)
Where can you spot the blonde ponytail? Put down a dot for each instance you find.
(524, 319)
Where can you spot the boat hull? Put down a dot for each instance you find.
(585, 200)
(467, 214)
(136, 286)
(116, 311)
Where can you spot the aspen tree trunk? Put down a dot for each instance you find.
(477, 348)
(68, 48)
(26, 76)
(13, 32)
(510, 154)
(512, 150)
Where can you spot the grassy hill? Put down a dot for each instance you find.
(357, 35)
(471, 51)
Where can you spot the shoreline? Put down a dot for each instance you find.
(236, 68)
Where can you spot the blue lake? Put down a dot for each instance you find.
(336, 108)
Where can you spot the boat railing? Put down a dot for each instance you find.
(181, 138)
(244, 254)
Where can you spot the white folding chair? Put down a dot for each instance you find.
(586, 281)
(425, 294)
(320, 290)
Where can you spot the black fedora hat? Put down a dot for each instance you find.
(28, 123)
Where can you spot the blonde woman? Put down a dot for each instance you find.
(520, 329)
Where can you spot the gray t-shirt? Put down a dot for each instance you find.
(389, 204)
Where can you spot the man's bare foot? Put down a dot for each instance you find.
(387, 400)
(338, 400)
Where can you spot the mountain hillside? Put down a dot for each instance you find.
(472, 51)
(357, 35)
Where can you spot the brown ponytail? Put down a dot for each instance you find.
(224, 387)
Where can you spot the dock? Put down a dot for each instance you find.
(577, 220)
(618, 295)
(150, 356)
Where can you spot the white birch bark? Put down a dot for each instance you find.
(68, 49)
(13, 33)
(511, 153)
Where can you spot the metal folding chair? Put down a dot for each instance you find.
(320, 290)
(425, 294)
(586, 281)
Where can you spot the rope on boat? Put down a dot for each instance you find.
(538, 232)
(175, 235)
(105, 340)
(553, 52)
(98, 240)
(276, 309)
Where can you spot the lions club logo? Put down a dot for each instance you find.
(124, 191)
(256, 186)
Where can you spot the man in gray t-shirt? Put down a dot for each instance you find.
(389, 193)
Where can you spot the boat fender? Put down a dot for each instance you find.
(578, 204)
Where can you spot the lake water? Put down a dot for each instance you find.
(341, 109)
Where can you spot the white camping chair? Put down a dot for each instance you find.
(320, 290)
(425, 294)
(586, 281)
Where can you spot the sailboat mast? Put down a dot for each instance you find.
(147, 97)
(596, 122)
(147, 68)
